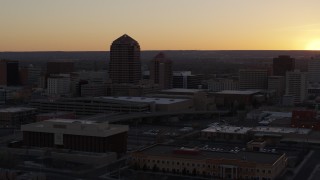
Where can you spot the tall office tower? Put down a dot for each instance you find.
(277, 83)
(161, 71)
(125, 65)
(296, 85)
(314, 72)
(60, 67)
(9, 73)
(253, 79)
(282, 64)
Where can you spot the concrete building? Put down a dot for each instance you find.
(314, 73)
(226, 133)
(88, 106)
(93, 90)
(218, 165)
(58, 85)
(17, 116)
(282, 64)
(60, 67)
(125, 65)
(221, 84)
(230, 98)
(9, 73)
(159, 104)
(296, 85)
(82, 78)
(186, 80)
(161, 71)
(55, 115)
(277, 83)
(253, 79)
(305, 119)
(200, 98)
(79, 135)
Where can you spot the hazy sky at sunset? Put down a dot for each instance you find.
(40, 25)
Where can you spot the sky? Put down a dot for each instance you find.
(92, 25)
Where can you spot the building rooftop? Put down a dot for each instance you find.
(253, 157)
(16, 109)
(75, 127)
(227, 129)
(280, 130)
(147, 99)
(236, 92)
(181, 90)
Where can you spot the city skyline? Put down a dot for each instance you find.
(162, 25)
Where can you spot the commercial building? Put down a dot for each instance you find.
(253, 79)
(125, 65)
(55, 115)
(231, 98)
(296, 85)
(82, 78)
(9, 73)
(216, 164)
(88, 106)
(305, 119)
(226, 133)
(282, 64)
(186, 80)
(60, 67)
(314, 72)
(158, 104)
(277, 83)
(58, 85)
(221, 84)
(161, 71)
(15, 117)
(79, 135)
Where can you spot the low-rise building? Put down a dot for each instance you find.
(79, 135)
(221, 165)
(17, 116)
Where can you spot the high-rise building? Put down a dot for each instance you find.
(60, 67)
(296, 85)
(314, 72)
(186, 80)
(58, 85)
(125, 65)
(277, 83)
(9, 73)
(253, 79)
(161, 71)
(282, 64)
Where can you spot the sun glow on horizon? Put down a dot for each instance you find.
(313, 45)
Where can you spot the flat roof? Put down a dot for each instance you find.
(75, 127)
(55, 113)
(281, 130)
(147, 99)
(255, 157)
(181, 90)
(236, 92)
(16, 109)
(227, 129)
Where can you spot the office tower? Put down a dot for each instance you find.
(60, 67)
(58, 85)
(9, 73)
(125, 65)
(221, 84)
(161, 71)
(314, 72)
(282, 64)
(186, 80)
(296, 85)
(277, 83)
(253, 79)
